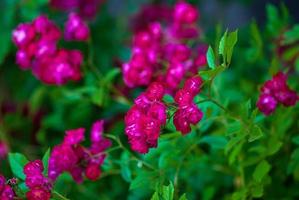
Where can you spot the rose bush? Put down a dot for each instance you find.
(146, 103)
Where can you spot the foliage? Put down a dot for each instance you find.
(234, 152)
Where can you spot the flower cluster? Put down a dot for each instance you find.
(188, 113)
(144, 120)
(161, 53)
(86, 8)
(37, 49)
(76, 159)
(3, 149)
(276, 91)
(6, 192)
(39, 185)
(76, 28)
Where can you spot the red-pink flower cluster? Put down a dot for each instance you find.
(161, 53)
(38, 51)
(35, 40)
(86, 8)
(76, 159)
(188, 113)
(276, 91)
(39, 185)
(144, 120)
(6, 192)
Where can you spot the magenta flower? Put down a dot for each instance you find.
(276, 91)
(188, 113)
(72, 157)
(6, 192)
(39, 186)
(144, 120)
(161, 52)
(76, 28)
(266, 104)
(38, 51)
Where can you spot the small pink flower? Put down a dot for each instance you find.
(185, 13)
(267, 104)
(38, 194)
(74, 136)
(39, 185)
(76, 28)
(92, 171)
(188, 113)
(37, 50)
(144, 120)
(72, 157)
(6, 191)
(276, 91)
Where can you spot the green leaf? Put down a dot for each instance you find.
(222, 43)
(240, 195)
(291, 35)
(294, 163)
(276, 20)
(17, 162)
(234, 153)
(211, 58)
(290, 53)
(46, 160)
(164, 193)
(257, 191)
(226, 46)
(168, 98)
(212, 73)
(145, 179)
(230, 43)
(124, 167)
(110, 76)
(217, 142)
(183, 197)
(273, 146)
(99, 95)
(255, 133)
(23, 187)
(261, 170)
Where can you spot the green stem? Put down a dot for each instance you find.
(58, 196)
(117, 140)
(215, 102)
(176, 176)
(106, 152)
(98, 74)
